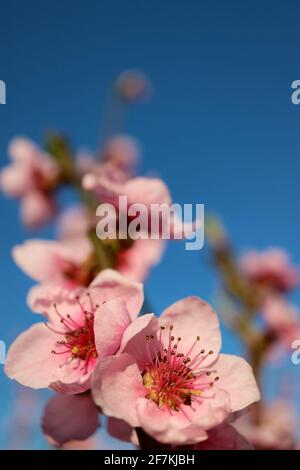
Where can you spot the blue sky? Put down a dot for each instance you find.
(221, 129)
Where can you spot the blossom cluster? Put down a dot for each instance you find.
(256, 287)
(98, 346)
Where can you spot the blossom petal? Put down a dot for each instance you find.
(134, 340)
(116, 386)
(136, 262)
(192, 317)
(166, 428)
(29, 359)
(111, 320)
(42, 296)
(38, 259)
(111, 284)
(236, 377)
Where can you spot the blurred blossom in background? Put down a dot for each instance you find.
(198, 95)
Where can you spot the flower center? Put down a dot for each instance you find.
(78, 343)
(172, 378)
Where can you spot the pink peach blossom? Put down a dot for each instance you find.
(141, 190)
(118, 160)
(31, 176)
(57, 266)
(62, 353)
(282, 319)
(138, 190)
(276, 430)
(169, 377)
(270, 268)
(87, 164)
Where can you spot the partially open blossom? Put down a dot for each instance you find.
(31, 176)
(133, 85)
(61, 268)
(142, 190)
(276, 429)
(148, 192)
(169, 378)
(63, 352)
(69, 418)
(270, 269)
(118, 160)
(282, 319)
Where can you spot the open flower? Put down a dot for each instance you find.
(32, 176)
(270, 269)
(63, 352)
(169, 378)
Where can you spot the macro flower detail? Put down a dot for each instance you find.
(171, 377)
(79, 338)
(173, 384)
(63, 352)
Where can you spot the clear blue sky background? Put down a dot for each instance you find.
(220, 130)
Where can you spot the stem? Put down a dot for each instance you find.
(103, 257)
(113, 118)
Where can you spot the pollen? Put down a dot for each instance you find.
(77, 343)
(174, 379)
